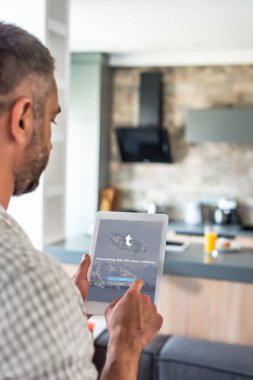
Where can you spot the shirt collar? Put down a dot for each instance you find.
(9, 220)
(2, 209)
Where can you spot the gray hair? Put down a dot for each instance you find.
(23, 59)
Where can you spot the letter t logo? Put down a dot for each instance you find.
(128, 238)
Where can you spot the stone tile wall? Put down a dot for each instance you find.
(200, 171)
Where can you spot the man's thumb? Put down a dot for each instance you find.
(83, 268)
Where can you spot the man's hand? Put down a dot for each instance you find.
(80, 277)
(133, 317)
(133, 322)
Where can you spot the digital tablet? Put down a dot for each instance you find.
(125, 246)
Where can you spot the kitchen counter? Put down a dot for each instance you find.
(229, 230)
(192, 262)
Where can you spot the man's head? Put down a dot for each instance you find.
(28, 105)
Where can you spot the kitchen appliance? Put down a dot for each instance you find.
(246, 215)
(226, 211)
(148, 142)
(143, 144)
(192, 213)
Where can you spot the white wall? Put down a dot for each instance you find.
(31, 15)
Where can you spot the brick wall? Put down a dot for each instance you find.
(199, 171)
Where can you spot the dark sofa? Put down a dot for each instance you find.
(179, 358)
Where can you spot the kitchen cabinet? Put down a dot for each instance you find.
(207, 309)
(230, 125)
(205, 299)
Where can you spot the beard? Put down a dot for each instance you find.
(27, 175)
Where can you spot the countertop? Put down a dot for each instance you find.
(229, 230)
(234, 266)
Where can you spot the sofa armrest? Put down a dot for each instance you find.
(189, 359)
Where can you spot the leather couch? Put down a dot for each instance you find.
(180, 358)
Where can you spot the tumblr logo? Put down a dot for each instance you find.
(128, 238)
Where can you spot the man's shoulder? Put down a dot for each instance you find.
(18, 257)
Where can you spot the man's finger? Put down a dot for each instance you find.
(137, 285)
(111, 305)
(114, 302)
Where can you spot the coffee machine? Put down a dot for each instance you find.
(227, 211)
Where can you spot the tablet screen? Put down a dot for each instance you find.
(124, 251)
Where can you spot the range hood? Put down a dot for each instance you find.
(148, 142)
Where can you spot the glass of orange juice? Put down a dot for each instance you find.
(210, 237)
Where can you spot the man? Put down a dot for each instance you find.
(43, 323)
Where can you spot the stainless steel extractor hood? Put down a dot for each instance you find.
(148, 142)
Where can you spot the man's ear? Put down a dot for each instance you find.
(22, 120)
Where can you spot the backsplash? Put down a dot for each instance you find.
(200, 171)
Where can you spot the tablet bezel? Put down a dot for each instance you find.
(98, 308)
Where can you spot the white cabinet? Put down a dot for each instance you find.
(42, 213)
(54, 193)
